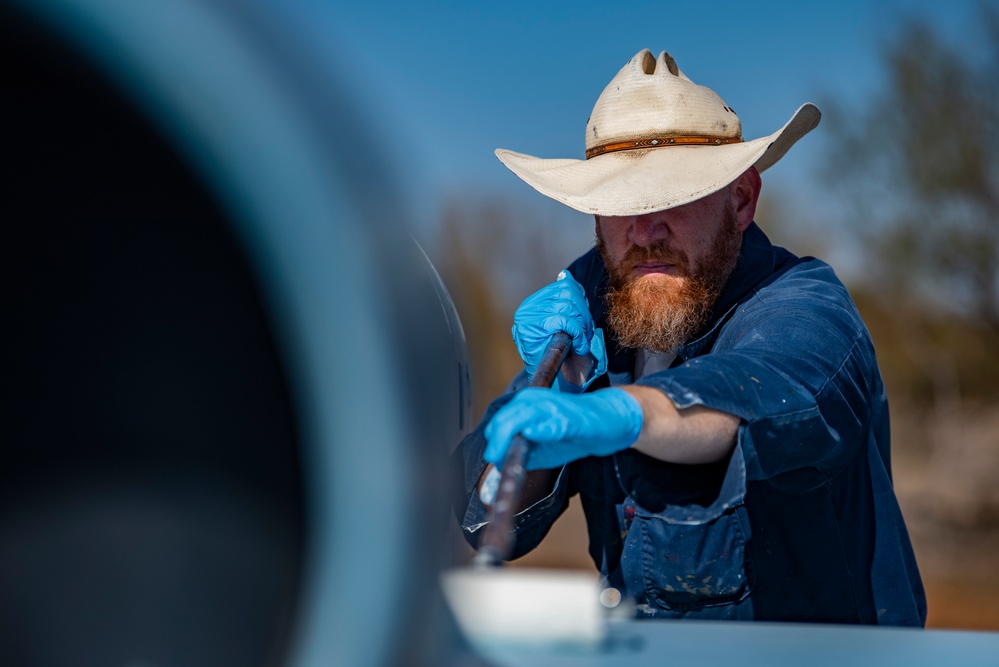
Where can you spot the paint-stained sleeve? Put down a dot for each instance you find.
(796, 364)
(534, 522)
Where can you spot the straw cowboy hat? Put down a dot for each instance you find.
(655, 140)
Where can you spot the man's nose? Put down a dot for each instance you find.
(648, 229)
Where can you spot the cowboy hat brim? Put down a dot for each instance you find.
(633, 182)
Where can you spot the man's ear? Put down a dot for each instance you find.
(745, 195)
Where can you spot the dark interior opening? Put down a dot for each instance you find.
(151, 502)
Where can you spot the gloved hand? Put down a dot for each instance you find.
(560, 306)
(564, 427)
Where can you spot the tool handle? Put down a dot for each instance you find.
(497, 541)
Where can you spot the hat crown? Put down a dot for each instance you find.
(649, 98)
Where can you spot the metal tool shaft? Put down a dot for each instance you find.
(497, 542)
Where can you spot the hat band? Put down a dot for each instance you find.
(657, 142)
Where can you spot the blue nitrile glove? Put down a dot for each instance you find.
(559, 306)
(564, 427)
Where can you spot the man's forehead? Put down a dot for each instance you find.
(708, 203)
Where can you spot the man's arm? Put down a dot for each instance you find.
(693, 435)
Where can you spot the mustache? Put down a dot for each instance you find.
(658, 252)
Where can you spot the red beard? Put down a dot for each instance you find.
(661, 312)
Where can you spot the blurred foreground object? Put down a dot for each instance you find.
(230, 376)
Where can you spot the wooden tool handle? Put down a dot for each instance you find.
(498, 539)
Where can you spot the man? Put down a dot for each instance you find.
(721, 414)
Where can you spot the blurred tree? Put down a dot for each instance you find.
(918, 164)
(784, 226)
(921, 164)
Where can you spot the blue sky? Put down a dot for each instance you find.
(443, 83)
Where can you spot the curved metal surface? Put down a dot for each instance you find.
(720, 644)
(267, 131)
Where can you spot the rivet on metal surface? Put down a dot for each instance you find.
(610, 597)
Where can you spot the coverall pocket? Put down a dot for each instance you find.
(687, 566)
